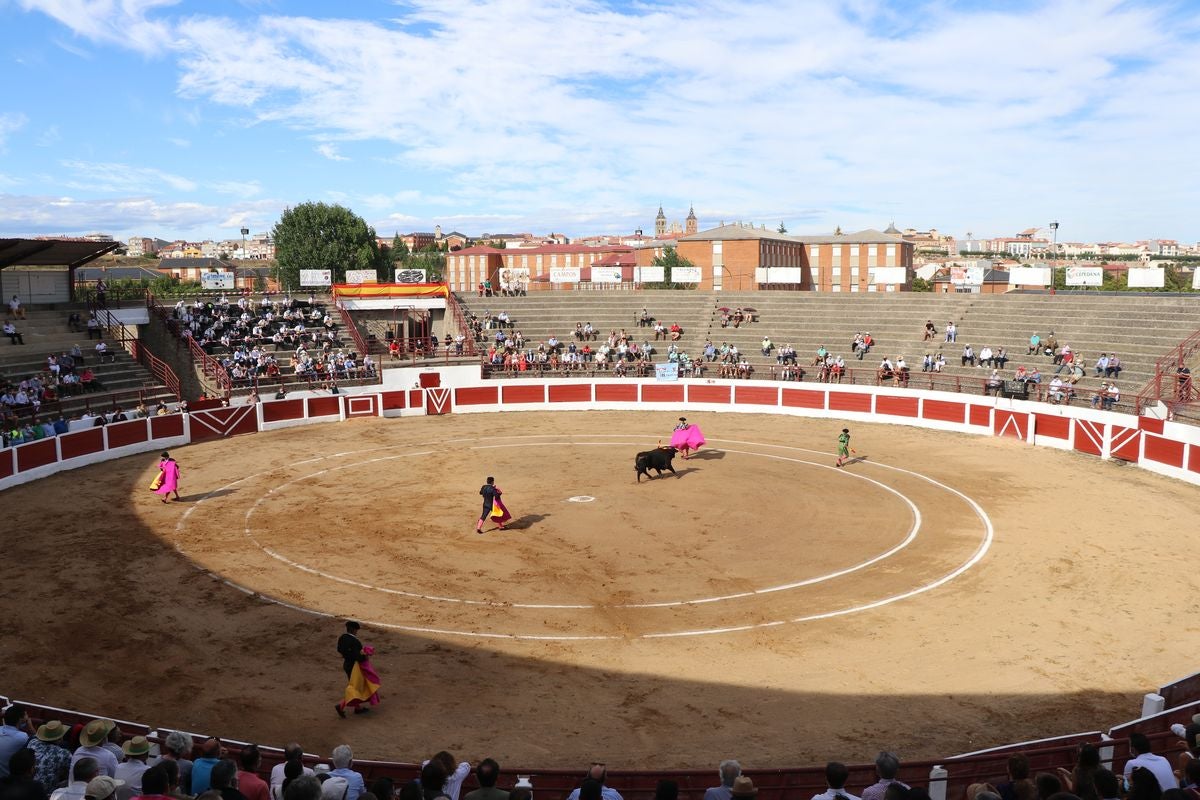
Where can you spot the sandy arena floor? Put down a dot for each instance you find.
(942, 594)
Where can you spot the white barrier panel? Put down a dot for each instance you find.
(892, 275)
(564, 274)
(1146, 278)
(1029, 276)
(216, 280)
(316, 277)
(1085, 276)
(779, 275)
(606, 274)
(357, 277)
(966, 276)
(685, 275)
(649, 274)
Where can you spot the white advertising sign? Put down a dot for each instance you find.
(360, 276)
(1147, 278)
(1029, 276)
(966, 276)
(512, 275)
(1085, 276)
(316, 277)
(685, 275)
(1196, 278)
(410, 276)
(648, 275)
(892, 275)
(779, 275)
(216, 280)
(606, 274)
(564, 274)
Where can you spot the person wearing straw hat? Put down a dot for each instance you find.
(102, 787)
(91, 744)
(53, 760)
(137, 753)
(743, 789)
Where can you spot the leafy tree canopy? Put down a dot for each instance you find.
(322, 236)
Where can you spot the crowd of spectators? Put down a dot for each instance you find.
(95, 761)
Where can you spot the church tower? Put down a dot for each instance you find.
(660, 223)
(691, 226)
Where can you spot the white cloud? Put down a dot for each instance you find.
(948, 115)
(179, 142)
(242, 188)
(10, 123)
(122, 178)
(330, 151)
(50, 137)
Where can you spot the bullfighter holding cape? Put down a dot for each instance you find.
(686, 437)
(363, 681)
(493, 506)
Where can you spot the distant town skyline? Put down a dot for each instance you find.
(189, 120)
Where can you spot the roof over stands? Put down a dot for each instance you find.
(70, 253)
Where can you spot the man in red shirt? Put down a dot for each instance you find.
(248, 782)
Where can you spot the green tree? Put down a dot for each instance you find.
(922, 285)
(668, 261)
(782, 228)
(400, 253)
(321, 236)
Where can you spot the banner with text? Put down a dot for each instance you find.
(666, 372)
(1029, 276)
(1085, 276)
(359, 276)
(648, 274)
(409, 275)
(564, 274)
(1147, 278)
(216, 280)
(685, 274)
(966, 276)
(316, 277)
(606, 274)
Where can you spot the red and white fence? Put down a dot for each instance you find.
(1164, 447)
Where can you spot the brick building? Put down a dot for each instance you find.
(740, 257)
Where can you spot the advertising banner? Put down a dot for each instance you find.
(410, 275)
(316, 277)
(666, 372)
(1029, 276)
(648, 274)
(514, 276)
(1147, 278)
(893, 275)
(966, 276)
(1085, 276)
(359, 276)
(685, 275)
(564, 274)
(779, 275)
(216, 280)
(606, 274)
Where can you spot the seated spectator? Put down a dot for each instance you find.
(994, 383)
(83, 771)
(951, 332)
(486, 774)
(836, 775)
(15, 308)
(102, 353)
(1000, 358)
(1056, 390)
(1113, 370)
(14, 336)
(1102, 365)
(343, 759)
(177, 746)
(1112, 398)
(210, 756)
(985, 356)
(248, 782)
(91, 745)
(968, 356)
(930, 331)
(224, 780)
(729, 771)
(137, 753)
(93, 327)
(20, 783)
(927, 363)
(293, 754)
(767, 345)
(598, 774)
(75, 322)
(676, 332)
(886, 767)
(1035, 345)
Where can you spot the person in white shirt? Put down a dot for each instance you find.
(84, 770)
(455, 773)
(598, 772)
(293, 752)
(729, 770)
(1143, 756)
(91, 745)
(836, 775)
(137, 753)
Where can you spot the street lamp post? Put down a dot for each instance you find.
(1054, 250)
(246, 230)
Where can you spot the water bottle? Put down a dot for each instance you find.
(523, 782)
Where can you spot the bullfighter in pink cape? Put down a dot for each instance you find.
(168, 478)
(686, 437)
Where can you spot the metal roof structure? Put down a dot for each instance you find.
(69, 253)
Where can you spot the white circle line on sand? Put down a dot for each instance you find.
(581, 498)
(908, 539)
(981, 551)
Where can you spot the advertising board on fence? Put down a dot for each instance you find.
(1085, 276)
(357, 277)
(316, 277)
(564, 274)
(410, 275)
(1147, 278)
(606, 274)
(1029, 276)
(685, 274)
(966, 276)
(514, 276)
(891, 275)
(789, 275)
(648, 275)
(216, 280)
(666, 372)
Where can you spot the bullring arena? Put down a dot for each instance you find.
(943, 593)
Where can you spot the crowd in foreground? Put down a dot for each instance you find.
(95, 761)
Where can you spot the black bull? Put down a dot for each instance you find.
(657, 459)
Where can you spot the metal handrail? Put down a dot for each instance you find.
(211, 368)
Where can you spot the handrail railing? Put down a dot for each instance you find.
(460, 322)
(211, 368)
(360, 341)
(1164, 372)
(128, 340)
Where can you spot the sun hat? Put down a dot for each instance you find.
(743, 787)
(102, 787)
(52, 731)
(137, 746)
(96, 731)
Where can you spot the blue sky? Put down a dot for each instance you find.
(191, 119)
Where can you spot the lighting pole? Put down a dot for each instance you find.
(1054, 250)
(246, 230)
